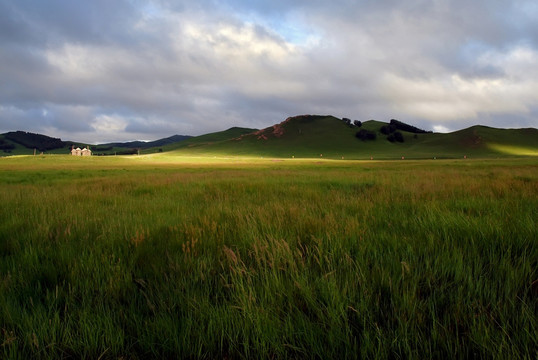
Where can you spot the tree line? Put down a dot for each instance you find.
(391, 130)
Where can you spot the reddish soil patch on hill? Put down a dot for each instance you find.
(274, 131)
(278, 130)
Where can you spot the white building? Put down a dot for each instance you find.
(83, 152)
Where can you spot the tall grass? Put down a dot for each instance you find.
(119, 258)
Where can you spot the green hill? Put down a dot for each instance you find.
(300, 136)
(24, 143)
(147, 144)
(311, 136)
(210, 140)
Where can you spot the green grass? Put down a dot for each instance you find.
(163, 256)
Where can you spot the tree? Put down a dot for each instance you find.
(7, 146)
(364, 135)
(357, 123)
(396, 136)
(387, 129)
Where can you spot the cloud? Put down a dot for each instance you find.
(441, 129)
(147, 69)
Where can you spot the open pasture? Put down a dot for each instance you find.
(162, 256)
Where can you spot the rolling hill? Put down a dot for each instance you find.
(315, 136)
(148, 144)
(24, 143)
(312, 136)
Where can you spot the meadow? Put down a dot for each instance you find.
(177, 257)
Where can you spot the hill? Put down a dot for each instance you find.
(24, 143)
(148, 144)
(301, 136)
(329, 137)
(211, 140)
(14, 141)
(311, 136)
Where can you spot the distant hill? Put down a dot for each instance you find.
(148, 144)
(312, 136)
(133, 147)
(30, 141)
(24, 143)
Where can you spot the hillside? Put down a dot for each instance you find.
(301, 136)
(148, 144)
(210, 140)
(15, 142)
(24, 143)
(314, 136)
(311, 136)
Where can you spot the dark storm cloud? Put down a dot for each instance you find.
(121, 70)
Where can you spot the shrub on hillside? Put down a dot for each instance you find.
(396, 137)
(364, 135)
(387, 129)
(357, 123)
(127, 152)
(5, 146)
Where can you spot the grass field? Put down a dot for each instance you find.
(164, 256)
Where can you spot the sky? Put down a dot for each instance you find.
(100, 71)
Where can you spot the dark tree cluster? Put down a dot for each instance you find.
(353, 123)
(387, 129)
(6, 146)
(365, 135)
(406, 127)
(396, 137)
(35, 141)
(128, 152)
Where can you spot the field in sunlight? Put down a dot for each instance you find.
(205, 257)
(514, 150)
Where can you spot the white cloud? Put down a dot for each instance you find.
(440, 129)
(452, 97)
(192, 68)
(107, 125)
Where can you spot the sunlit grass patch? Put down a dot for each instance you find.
(514, 150)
